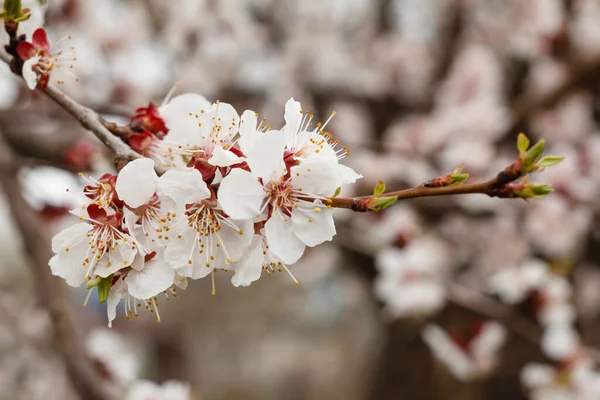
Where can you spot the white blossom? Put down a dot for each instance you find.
(170, 390)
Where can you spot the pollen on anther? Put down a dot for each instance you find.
(190, 262)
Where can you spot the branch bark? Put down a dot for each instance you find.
(493, 188)
(91, 121)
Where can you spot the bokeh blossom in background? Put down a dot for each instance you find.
(219, 258)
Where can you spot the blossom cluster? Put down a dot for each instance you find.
(236, 195)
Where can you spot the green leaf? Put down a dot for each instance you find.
(534, 153)
(549, 161)
(456, 177)
(23, 15)
(337, 192)
(379, 188)
(522, 143)
(541, 190)
(381, 203)
(104, 289)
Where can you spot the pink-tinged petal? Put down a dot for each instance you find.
(25, 50)
(224, 158)
(241, 195)
(265, 157)
(114, 297)
(348, 175)
(71, 236)
(155, 277)
(293, 118)
(282, 241)
(67, 265)
(183, 186)
(40, 40)
(136, 182)
(29, 75)
(312, 227)
(249, 268)
(316, 178)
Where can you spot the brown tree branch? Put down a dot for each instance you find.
(494, 188)
(580, 74)
(90, 120)
(51, 291)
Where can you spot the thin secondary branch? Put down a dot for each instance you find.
(360, 203)
(51, 291)
(91, 121)
(494, 188)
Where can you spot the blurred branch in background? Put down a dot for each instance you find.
(51, 291)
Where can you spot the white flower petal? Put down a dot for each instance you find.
(31, 78)
(313, 227)
(265, 157)
(179, 251)
(559, 342)
(114, 297)
(155, 277)
(224, 158)
(282, 240)
(235, 242)
(225, 115)
(249, 268)
(183, 186)
(444, 349)
(316, 178)
(121, 257)
(176, 114)
(68, 266)
(71, 236)
(136, 182)
(348, 174)
(293, 117)
(248, 132)
(241, 195)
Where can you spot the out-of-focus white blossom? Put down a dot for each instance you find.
(169, 390)
(471, 359)
(410, 280)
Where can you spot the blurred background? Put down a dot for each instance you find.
(419, 87)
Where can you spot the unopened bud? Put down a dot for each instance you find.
(456, 178)
(381, 203)
(13, 13)
(453, 178)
